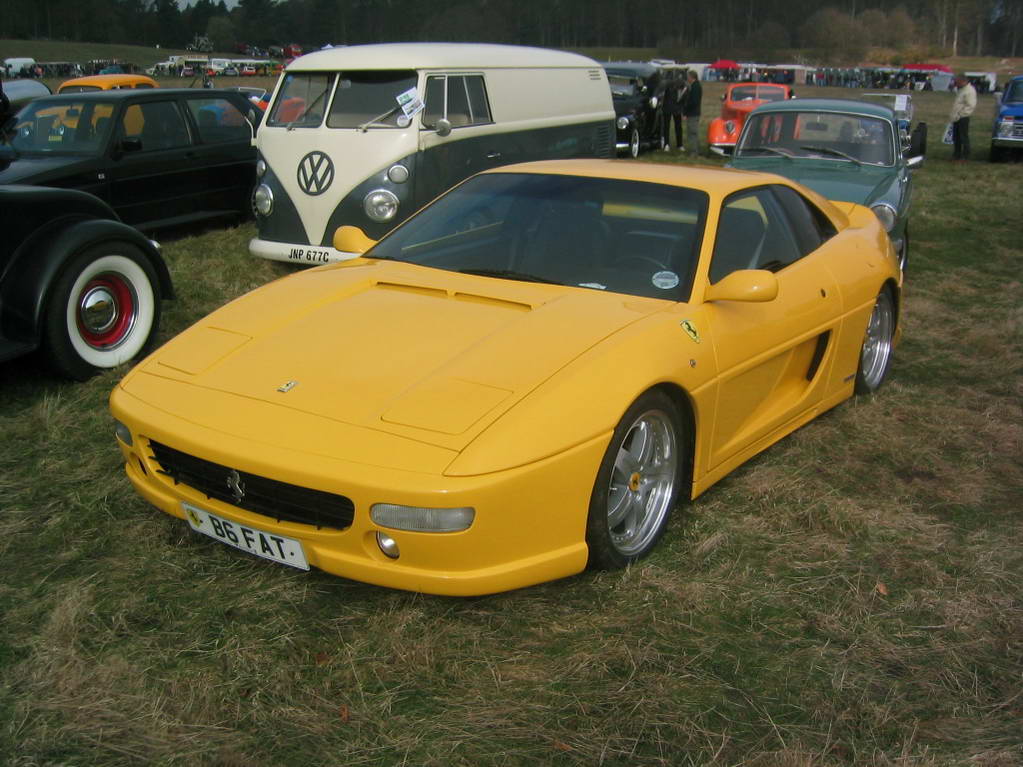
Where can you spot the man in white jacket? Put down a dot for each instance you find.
(962, 108)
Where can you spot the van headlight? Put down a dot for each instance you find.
(885, 214)
(420, 519)
(263, 200)
(623, 123)
(381, 205)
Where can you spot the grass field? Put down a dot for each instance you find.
(853, 596)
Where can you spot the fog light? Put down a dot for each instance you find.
(885, 214)
(381, 205)
(123, 433)
(398, 174)
(420, 519)
(388, 545)
(263, 200)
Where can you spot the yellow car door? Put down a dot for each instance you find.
(772, 355)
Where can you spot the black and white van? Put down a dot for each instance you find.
(366, 135)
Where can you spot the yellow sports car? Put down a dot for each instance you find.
(523, 379)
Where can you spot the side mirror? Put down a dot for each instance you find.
(443, 127)
(351, 239)
(753, 286)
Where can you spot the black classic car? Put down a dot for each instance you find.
(158, 157)
(637, 90)
(75, 282)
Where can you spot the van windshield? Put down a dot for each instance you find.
(370, 99)
(302, 99)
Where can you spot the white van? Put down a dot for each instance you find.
(366, 135)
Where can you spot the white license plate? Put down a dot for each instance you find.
(278, 548)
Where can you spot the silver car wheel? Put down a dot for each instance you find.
(642, 487)
(877, 345)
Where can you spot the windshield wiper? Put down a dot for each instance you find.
(510, 274)
(771, 149)
(301, 117)
(376, 119)
(829, 150)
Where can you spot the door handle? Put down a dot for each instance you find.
(493, 155)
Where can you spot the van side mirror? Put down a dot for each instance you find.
(753, 286)
(443, 127)
(351, 239)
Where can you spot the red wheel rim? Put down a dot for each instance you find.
(106, 309)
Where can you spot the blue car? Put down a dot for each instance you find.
(1007, 133)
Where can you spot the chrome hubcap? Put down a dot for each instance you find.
(98, 310)
(642, 482)
(877, 344)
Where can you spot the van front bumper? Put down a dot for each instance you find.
(297, 253)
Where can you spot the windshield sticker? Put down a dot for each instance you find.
(901, 103)
(665, 280)
(410, 102)
(690, 329)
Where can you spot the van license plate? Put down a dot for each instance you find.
(277, 548)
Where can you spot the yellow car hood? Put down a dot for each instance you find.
(411, 351)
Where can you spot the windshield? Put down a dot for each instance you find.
(1014, 92)
(836, 136)
(758, 93)
(301, 100)
(370, 99)
(603, 234)
(64, 128)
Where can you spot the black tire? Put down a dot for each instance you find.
(638, 482)
(103, 310)
(876, 352)
(634, 144)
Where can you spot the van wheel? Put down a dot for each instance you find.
(634, 144)
(103, 310)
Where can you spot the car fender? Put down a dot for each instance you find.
(38, 260)
(587, 398)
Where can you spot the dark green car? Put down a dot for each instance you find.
(842, 149)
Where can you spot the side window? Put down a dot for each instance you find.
(219, 120)
(753, 233)
(162, 125)
(809, 225)
(461, 99)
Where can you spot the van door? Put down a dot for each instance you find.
(461, 99)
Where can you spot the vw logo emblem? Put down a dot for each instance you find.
(315, 173)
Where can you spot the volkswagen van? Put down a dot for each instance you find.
(366, 135)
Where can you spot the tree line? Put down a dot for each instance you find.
(688, 30)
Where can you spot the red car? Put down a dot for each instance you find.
(739, 100)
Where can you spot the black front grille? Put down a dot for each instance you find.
(269, 497)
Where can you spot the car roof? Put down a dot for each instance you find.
(639, 68)
(108, 81)
(720, 181)
(436, 56)
(136, 94)
(850, 106)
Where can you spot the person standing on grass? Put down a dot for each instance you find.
(962, 108)
(691, 98)
(672, 115)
